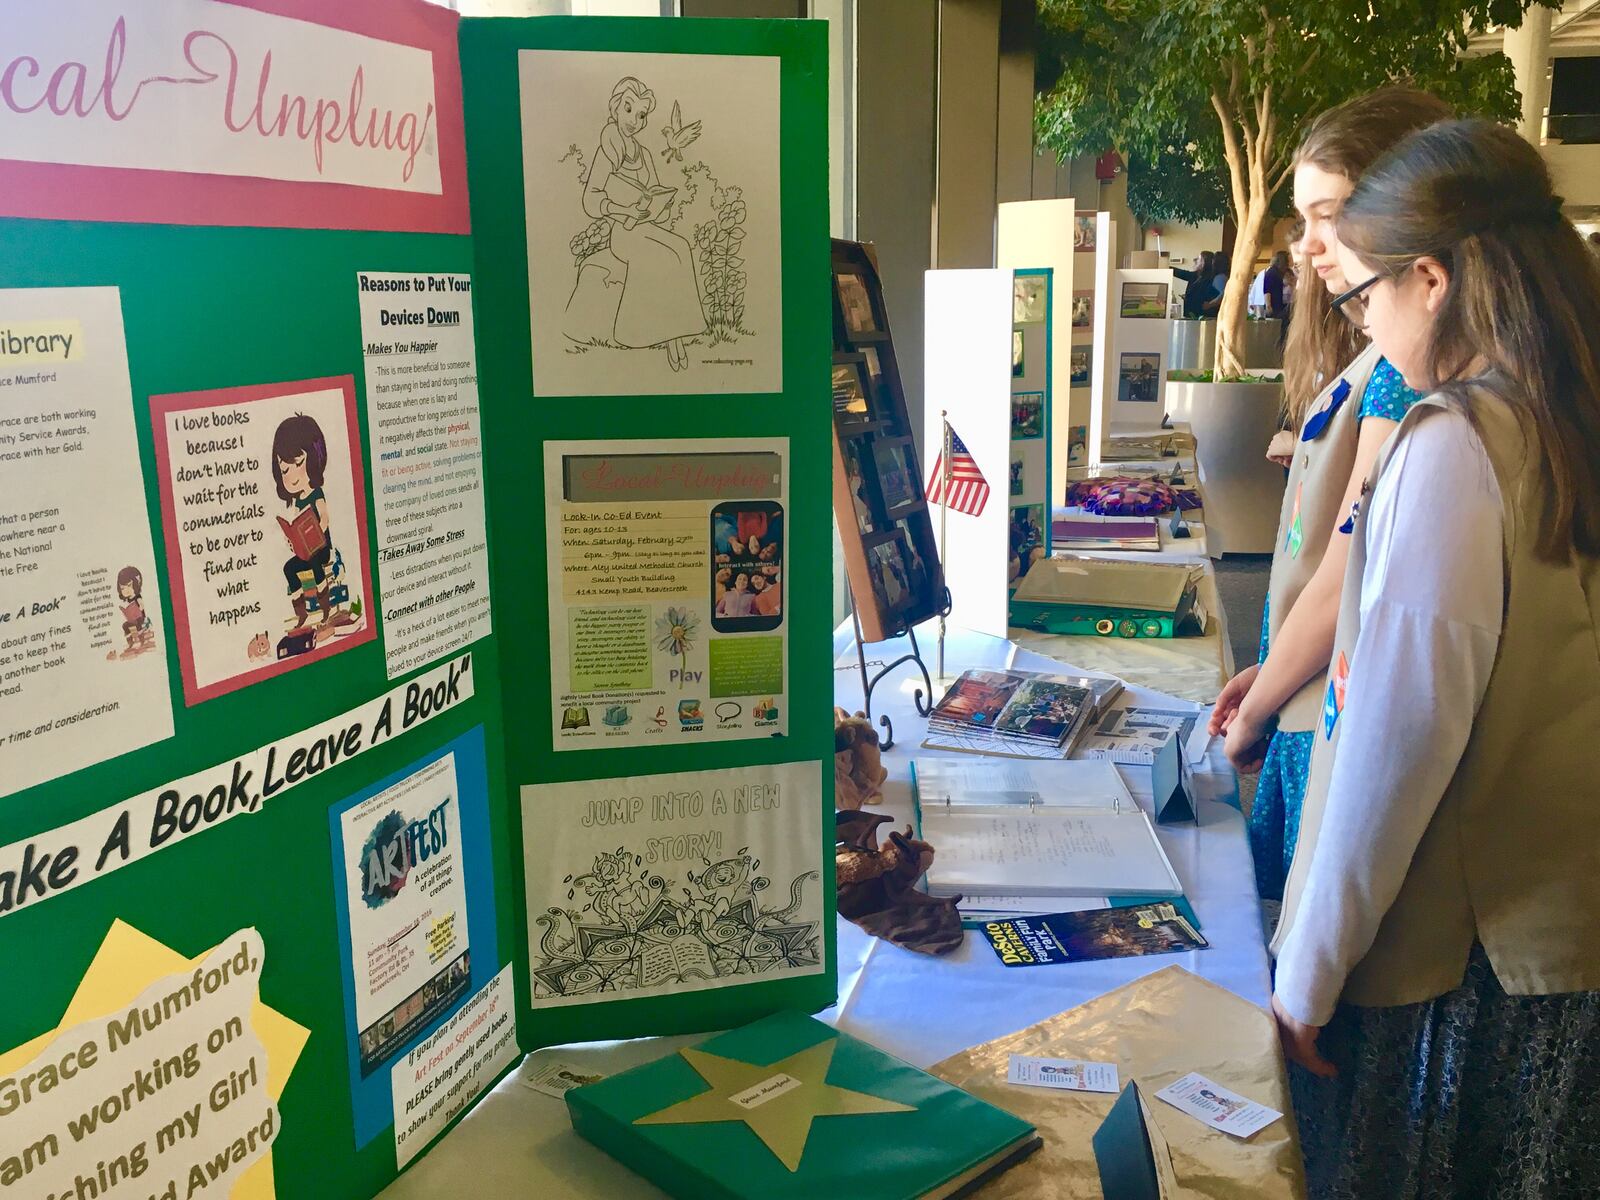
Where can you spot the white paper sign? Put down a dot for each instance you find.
(218, 89)
(183, 1094)
(444, 1074)
(83, 642)
(427, 464)
(1067, 1074)
(669, 584)
(36, 869)
(1217, 1107)
(652, 195)
(659, 884)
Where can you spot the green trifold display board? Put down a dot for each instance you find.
(410, 429)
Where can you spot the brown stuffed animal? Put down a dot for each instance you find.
(858, 770)
(877, 886)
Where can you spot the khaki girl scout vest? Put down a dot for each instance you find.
(1512, 855)
(1317, 481)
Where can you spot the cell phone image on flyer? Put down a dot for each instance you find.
(746, 566)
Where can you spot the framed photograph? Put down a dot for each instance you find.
(856, 303)
(1030, 297)
(1144, 300)
(1082, 310)
(1083, 233)
(1080, 366)
(896, 479)
(916, 564)
(1077, 445)
(850, 394)
(1016, 352)
(1027, 415)
(1139, 378)
(1016, 476)
(874, 364)
(857, 471)
(1026, 537)
(889, 568)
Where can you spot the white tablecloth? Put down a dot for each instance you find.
(517, 1142)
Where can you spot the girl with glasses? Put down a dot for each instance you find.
(1343, 400)
(1438, 977)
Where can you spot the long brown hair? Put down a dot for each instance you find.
(1345, 140)
(1521, 314)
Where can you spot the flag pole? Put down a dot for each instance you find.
(944, 503)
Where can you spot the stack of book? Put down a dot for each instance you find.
(1020, 714)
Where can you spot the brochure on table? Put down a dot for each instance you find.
(398, 663)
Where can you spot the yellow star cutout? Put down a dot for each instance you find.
(798, 1093)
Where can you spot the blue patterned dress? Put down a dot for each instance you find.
(1274, 824)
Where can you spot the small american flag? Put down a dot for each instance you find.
(969, 490)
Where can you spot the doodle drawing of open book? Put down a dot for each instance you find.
(625, 192)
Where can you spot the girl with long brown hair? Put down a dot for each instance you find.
(1438, 978)
(1343, 400)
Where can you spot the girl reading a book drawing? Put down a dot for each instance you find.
(299, 461)
(660, 302)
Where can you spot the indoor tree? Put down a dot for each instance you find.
(1207, 98)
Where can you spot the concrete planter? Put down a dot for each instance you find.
(1232, 424)
(1193, 344)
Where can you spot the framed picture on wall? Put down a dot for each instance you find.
(1029, 299)
(1082, 310)
(856, 303)
(1027, 415)
(1145, 301)
(1080, 366)
(1139, 378)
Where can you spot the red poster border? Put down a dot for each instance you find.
(161, 407)
(71, 192)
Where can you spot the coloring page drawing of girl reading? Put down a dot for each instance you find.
(299, 463)
(656, 299)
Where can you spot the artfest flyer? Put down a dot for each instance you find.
(416, 911)
(668, 587)
(83, 641)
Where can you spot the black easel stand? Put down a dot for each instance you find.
(922, 699)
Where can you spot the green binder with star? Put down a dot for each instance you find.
(789, 1107)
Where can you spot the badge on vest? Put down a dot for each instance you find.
(1296, 536)
(1318, 421)
(1333, 705)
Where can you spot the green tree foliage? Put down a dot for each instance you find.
(1207, 98)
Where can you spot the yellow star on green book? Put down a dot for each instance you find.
(778, 1102)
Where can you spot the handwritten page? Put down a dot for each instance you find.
(1048, 851)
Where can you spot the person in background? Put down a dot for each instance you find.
(1343, 400)
(1219, 282)
(1256, 301)
(1199, 281)
(1438, 977)
(1273, 281)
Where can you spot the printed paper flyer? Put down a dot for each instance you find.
(657, 884)
(416, 911)
(667, 583)
(83, 654)
(427, 464)
(264, 501)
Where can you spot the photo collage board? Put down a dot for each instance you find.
(1033, 309)
(880, 491)
(361, 811)
(1080, 373)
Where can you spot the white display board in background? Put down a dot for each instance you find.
(1100, 377)
(967, 356)
(1043, 233)
(1137, 306)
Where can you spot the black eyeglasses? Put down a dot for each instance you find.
(1354, 294)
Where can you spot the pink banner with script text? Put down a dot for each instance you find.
(286, 113)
